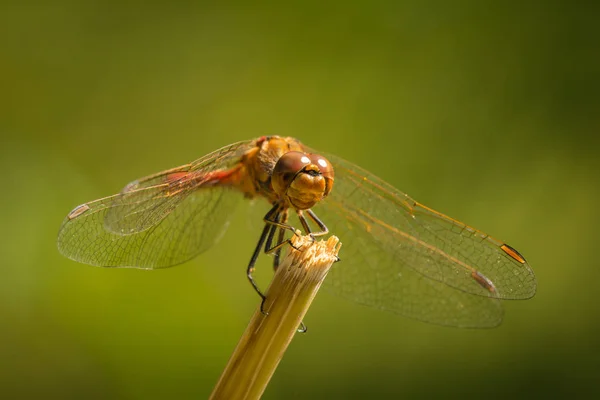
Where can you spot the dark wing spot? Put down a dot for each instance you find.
(513, 253)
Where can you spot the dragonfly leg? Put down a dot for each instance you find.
(250, 269)
(278, 247)
(277, 257)
(276, 221)
(280, 219)
(280, 239)
(281, 224)
(267, 232)
(320, 224)
(302, 328)
(272, 230)
(304, 222)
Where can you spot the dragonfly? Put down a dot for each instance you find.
(399, 255)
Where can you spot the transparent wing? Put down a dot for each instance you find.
(369, 275)
(158, 221)
(406, 258)
(145, 202)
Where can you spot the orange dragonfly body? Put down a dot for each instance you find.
(399, 255)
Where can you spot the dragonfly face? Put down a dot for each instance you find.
(301, 179)
(399, 255)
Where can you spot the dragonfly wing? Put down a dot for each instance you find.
(145, 202)
(158, 221)
(370, 274)
(421, 239)
(197, 222)
(402, 257)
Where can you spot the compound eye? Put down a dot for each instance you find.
(326, 170)
(324, 165)
(286, 169)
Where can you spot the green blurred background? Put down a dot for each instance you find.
(486, 111)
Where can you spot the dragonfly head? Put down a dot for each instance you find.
(302, 179)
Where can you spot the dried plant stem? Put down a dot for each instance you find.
(266, 338)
